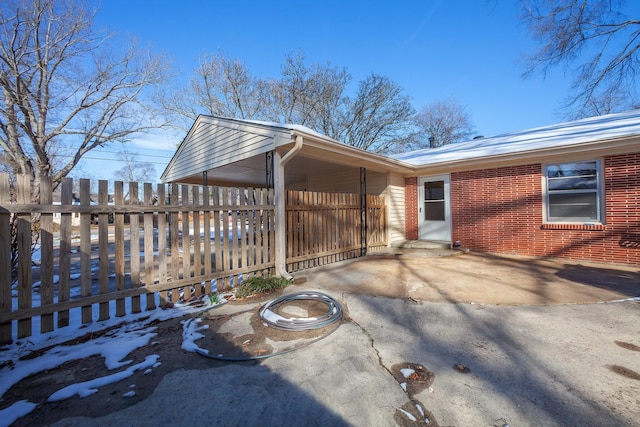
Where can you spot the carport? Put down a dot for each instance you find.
(232, 152)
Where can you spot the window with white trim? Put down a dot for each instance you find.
(573, 192)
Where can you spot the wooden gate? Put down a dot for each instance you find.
(327, 227)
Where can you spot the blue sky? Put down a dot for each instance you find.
(468, 50)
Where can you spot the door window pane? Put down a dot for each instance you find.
(434, 210)
(434, 190)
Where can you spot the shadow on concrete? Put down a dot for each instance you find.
(508, 369)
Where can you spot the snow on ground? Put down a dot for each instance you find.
(124, 335)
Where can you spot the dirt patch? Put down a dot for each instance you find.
(462, 368)
(413, 378)
(244, 335)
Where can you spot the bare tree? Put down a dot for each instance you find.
(65, 87)
(596, 41)
(379, 117)
(310, 96)
(221, 86)
(133, 169)
(442, 122)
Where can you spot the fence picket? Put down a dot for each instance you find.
(134, 246)
(186, 241)
(162, 243)
(206, 226)
(197, 240)
(103, 247)
(24, 255)
(174, 238)
(149, 245)
(226, 263)
(46, 252)
(64, 288)
(85, 248)
(119, 217)
(5, 254)
(215, 191)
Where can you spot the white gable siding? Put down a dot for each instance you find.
(210, 145)
(396, 208)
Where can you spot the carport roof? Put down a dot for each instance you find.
(231, 152)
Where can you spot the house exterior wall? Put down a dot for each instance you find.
(396, 208)
(500, 210)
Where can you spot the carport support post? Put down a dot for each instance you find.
(279, 198)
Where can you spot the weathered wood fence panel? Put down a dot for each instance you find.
(171, 244)
(326, 227)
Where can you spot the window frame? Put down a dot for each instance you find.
(599, 193)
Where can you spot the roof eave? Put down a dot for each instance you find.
(320, 142)
(592, 149)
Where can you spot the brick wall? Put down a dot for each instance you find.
(411, 208)
(500, 210)
(497, 210)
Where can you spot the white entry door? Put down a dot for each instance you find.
(434, 209)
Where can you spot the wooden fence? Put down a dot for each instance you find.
(120, 251)
(174, 242)
(327, 227)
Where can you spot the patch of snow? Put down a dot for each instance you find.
(407, 372)
(89, 387)
(124, 335)
(190, 334)
(15, 411)
(407, 414)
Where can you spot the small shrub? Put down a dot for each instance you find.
(261, 285)
(214, 299)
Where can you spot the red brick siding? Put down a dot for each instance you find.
(500, 210)
(411, 208)
(497, 210)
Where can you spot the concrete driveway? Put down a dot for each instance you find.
(467, 340)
